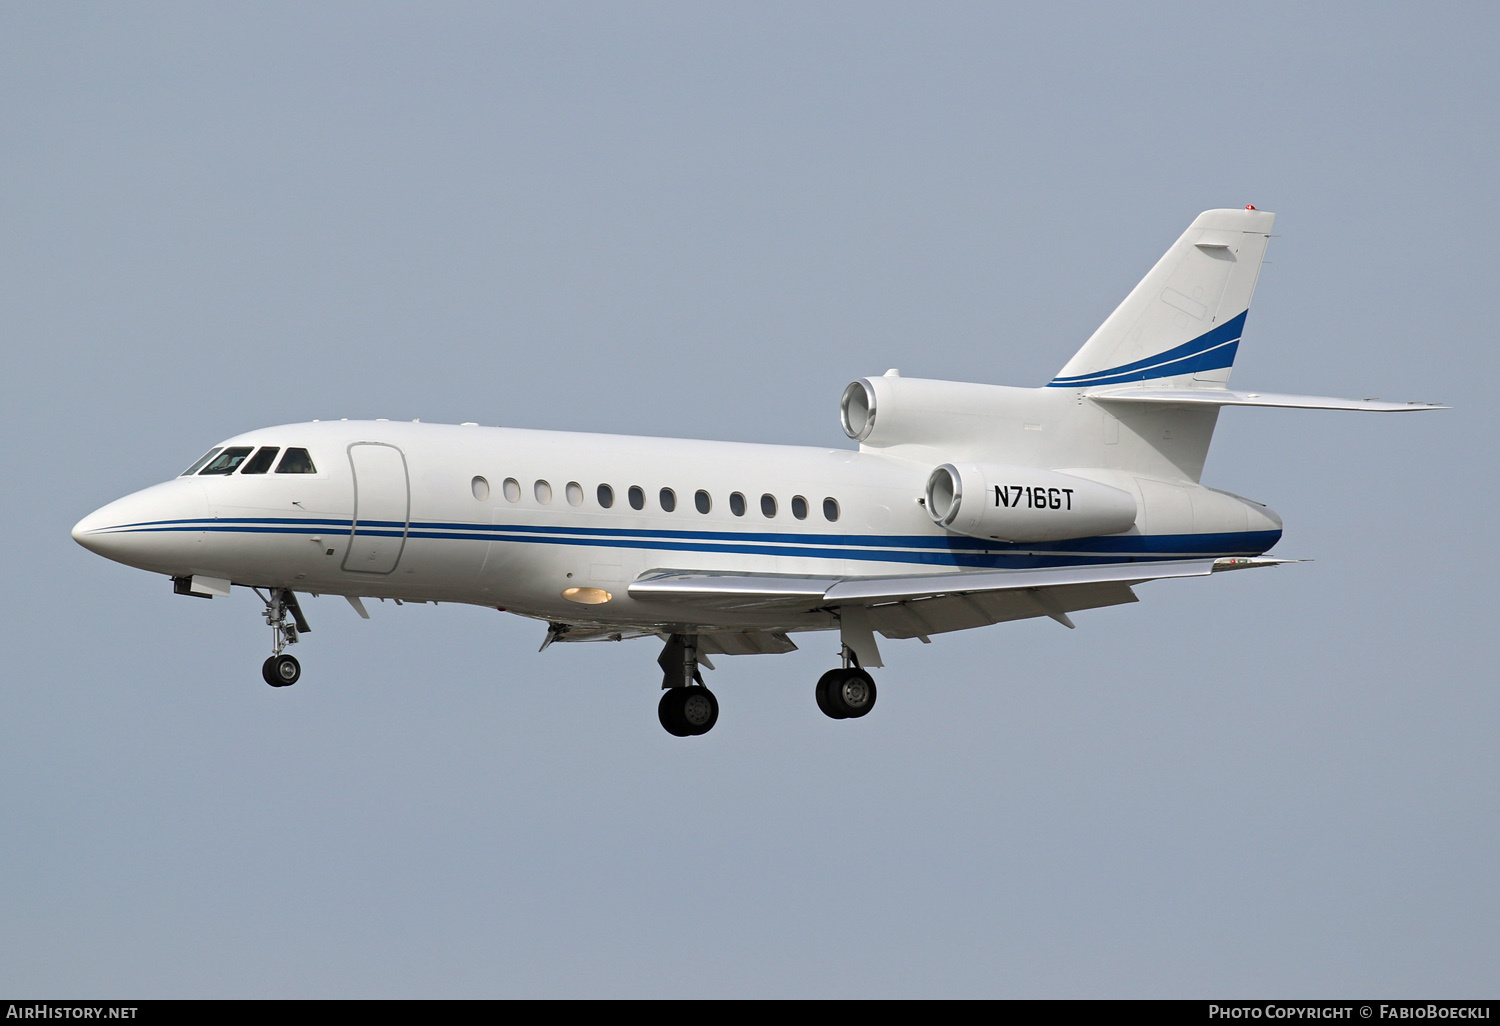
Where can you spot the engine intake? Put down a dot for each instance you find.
(1023, 504)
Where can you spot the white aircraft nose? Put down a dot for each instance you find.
(85, 531)
(138, 529)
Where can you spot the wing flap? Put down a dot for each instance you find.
(920, 618)
(732, 591)
(711, 641)
(871, 590)
(745, 642)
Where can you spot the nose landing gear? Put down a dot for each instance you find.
(282, 670)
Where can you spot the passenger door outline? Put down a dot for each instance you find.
(378, 499)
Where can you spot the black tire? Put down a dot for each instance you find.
(853, 695)
(669, 711)
(700, 710)
(281, 671)
(685, 712)
(826, 684)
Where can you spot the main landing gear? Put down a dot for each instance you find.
(846, 693)
(282, 670)
(687, 707)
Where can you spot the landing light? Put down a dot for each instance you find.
(587, 596)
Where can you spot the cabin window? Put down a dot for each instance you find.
(202, 460)
(737, 504)
(228, 460)
(768, 504)
(606, 496)
(830, 510)
(637, 497)
(574, 492)
(481, 488)
(261, 461)
(512, 490)
(543, 492)
(702, 501)
(668, 499)
(799, 507)
(296, 461)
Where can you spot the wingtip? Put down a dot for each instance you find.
(1250, 562)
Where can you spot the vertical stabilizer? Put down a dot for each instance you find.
(1180, 327)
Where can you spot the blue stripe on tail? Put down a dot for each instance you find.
(1211, 350)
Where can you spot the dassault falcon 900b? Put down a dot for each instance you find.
(964, 505)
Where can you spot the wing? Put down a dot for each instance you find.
(925, 604)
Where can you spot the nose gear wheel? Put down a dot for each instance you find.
(281, 671)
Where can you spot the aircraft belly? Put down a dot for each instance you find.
(531, 580)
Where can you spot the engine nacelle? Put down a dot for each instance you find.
(1021, 504)
(948, 415)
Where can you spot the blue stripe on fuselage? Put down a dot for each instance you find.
(933, 551)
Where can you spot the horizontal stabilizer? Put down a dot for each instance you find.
(1225, 397)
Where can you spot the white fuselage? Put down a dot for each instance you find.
(964, 505)
(514, 519)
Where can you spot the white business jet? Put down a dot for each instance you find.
(964, 505)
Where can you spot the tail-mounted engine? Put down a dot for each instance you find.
(888, 411)
(1021, 504)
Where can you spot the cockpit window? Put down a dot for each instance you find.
(296, 461)
(261, 461)
(228, 460)
(190, 471)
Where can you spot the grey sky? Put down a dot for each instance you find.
(704, 220)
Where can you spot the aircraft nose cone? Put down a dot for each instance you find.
(135, 529)
(106, 531)
(83, 531)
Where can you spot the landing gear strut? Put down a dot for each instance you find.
(687, 707)
(282, 670)
(846, 693)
